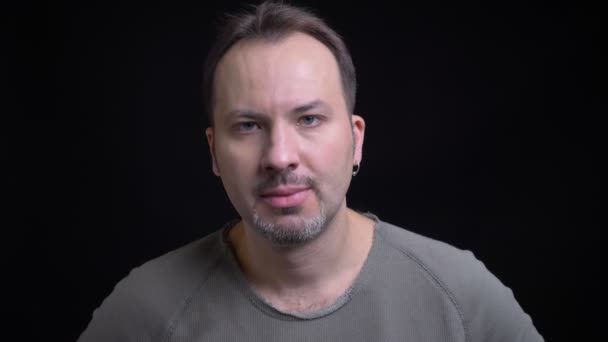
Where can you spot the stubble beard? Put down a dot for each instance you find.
(290, 228)
(296, 231)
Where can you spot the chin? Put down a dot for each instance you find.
(288, 226)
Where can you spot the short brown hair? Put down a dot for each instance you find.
(272, 21)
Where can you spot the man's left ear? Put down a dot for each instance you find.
(358, 125)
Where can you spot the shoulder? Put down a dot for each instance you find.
(487, 308)
(142, 305)
(451, 267)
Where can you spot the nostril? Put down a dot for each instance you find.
(280, 167)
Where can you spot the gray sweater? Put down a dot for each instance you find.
(411, 288)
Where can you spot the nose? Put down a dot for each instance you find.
(281, 150)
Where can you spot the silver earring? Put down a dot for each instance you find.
(356, 168)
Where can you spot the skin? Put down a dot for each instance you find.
(279, 110)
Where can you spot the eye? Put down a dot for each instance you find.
(246, 126)
(309, 120)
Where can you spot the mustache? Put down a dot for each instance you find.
(284, 178)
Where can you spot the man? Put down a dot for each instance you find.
(300, 265)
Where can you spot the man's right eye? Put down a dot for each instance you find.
(246, 126)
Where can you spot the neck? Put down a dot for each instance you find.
(335, 257)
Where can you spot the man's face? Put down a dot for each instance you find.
(282, 140)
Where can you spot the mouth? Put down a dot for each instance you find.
(285, 196)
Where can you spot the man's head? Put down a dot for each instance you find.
(283, 138)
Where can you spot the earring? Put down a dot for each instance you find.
(356, 168)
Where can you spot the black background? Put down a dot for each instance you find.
(482, 131)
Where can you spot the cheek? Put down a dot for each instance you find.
(237, 165)
(232, 155)
(333, 158)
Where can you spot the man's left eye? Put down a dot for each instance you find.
(309, 120)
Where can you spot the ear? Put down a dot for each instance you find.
(210, 140)
(358, 125)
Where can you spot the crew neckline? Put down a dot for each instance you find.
(360, 282)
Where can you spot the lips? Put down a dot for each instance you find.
(285, 197)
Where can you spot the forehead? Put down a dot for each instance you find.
(273, 76)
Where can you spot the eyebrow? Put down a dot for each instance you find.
(298, 110)
(308, 106)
